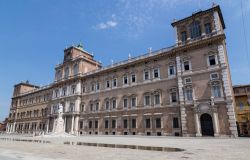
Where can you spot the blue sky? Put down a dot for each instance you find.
(33, 34)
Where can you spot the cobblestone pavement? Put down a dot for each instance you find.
(15, 147)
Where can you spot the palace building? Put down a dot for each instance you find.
(182, 90)
(242, 109)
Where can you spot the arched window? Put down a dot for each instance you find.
(107, 104)
(58, 75)
(75, 68)
(66, 72)
(195, 29)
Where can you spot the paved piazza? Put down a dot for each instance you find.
(28, 148)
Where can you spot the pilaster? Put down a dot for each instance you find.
(228, 90)
(217, 22)
(181, 97)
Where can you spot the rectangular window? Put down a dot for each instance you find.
(107, 105)
(125, 80)
(188, 80)
(158, 122)
(81, 124)
(216, 91)
(212, 60)
(189, 94)
(97, 86)
(157, 99)
(114, 104)
(133, 78)
(83, 89)
(156, 73)
(92, 87)
(64, 91)
(82, 108)
(125, 103)
(208, 28)
(184, 36)
(175, 122)
(97, 106)
(147, 123)
(125, 123)
(147, 100)
(171, 70)
(174, 97)
(133, 123)
(90, 124)
(73, 89)
(91, 107)
(106, 123)
(146, 75)
(113, 123)
(96, 124)
(114, 82)
(107, 84)
(133, 102)
(214, 76)
(186, 66)
(56, 93)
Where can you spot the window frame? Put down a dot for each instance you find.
(215, 60)
(144, 75)
(189, 66)
(125, 79)
(145, 100)
(156, 70)
(133, 81)
(169, 70)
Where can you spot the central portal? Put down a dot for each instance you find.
(206, 125)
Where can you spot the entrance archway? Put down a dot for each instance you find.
(206, 125)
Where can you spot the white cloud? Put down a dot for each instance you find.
(136, 15)
(106, 25)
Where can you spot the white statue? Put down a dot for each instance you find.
(59, 122)
(60, 108)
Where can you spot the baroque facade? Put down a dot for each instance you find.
(242, 109)
(183, 90)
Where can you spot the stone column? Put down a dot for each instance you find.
(72, 124)
(37, 126)
(181, 98)
(101, 126)
(77, 104)
(30, 125)
(66, 109)
(7, 128)
(216, 124)
(65, 121)
(188, 33)
(85, 126)
(14, 127)
(119, 125)
(76, 124)
(197, 125)
(54, 124)
(139, 125)
(47, 128)
(202, 28)
(78, 87)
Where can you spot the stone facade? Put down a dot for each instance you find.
(183, 90)
(242, 108)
